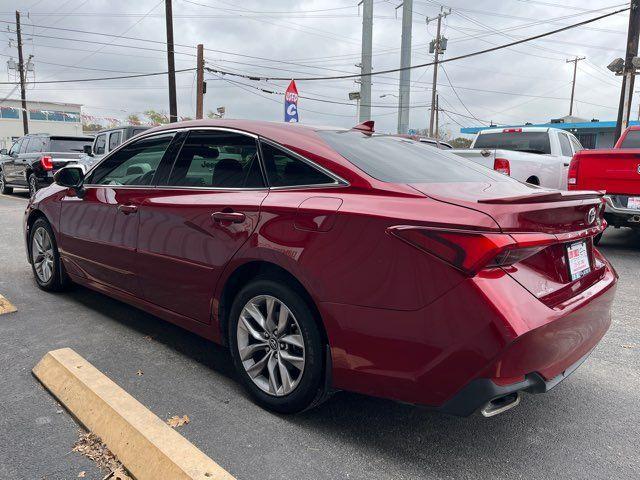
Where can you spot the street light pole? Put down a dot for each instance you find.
(365, 69)
(626, 93)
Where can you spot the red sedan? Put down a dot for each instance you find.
(336, 259)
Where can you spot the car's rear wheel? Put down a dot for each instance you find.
(3, 185)
(276, 346)
(33, 184)
(45, 258)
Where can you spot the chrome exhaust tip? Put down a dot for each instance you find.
(501, 404)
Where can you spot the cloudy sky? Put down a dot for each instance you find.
(296, 38)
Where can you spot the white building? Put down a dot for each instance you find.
(44, 117)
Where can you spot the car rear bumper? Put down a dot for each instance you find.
(479, 392)
(618, 215)
(487, 337)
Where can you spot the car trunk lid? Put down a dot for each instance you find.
(568, 221)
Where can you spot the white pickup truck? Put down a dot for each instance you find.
(536, 155)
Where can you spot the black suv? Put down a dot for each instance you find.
(33, 159)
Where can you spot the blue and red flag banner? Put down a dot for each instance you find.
(291, 103)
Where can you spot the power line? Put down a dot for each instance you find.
(451, 59)
(456, 94)
(102, 78)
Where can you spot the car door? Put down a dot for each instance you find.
(21, 162)
(9, 167)
(99, 228)
(567, 154)
(193, 225)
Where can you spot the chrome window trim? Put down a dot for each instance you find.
(338, 180)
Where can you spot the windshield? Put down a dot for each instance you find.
(69, 144)
(401, 160)
(631, 140)
(533, 142)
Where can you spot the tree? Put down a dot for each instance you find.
(91, 127)
(460, 142)
(156, 118)
(133, 119)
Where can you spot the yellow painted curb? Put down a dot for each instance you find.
(146, 446)
(6, 306)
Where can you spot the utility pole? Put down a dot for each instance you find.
(626, 93)
(438, 45)
(573, 85)
(405, 63)
(21, 69)
(365, 66)
(437, 135)
(173, 107)
(200, 80)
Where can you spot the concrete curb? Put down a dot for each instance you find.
(146, 446)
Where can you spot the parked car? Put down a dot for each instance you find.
(616, 171)
(535, 155)
(336, 259)
(107, 140)
(34, 158)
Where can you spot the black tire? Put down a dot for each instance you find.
(307, 392)
(32, 182)
(59, 280)
(3, 185)
(597, 238)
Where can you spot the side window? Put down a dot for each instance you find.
(15, 148)
(285, 170)
(135, 164)
(577, 146)
(35, 145)
(101, 141)
(565, 146)
(25, 143)
(115, 140)
(217, 159)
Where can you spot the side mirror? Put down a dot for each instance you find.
(3, 151)
(88, 150)
(71, 176)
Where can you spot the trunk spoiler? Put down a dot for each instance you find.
(544, 197)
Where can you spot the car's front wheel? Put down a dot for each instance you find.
(276, 346)
(3, 185)
(45, 258)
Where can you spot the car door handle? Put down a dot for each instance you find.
(233, 217)
(127, 209)
(566, 164)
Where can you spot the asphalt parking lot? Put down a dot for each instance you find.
(585, 428)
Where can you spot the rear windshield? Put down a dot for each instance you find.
(532, 142)
(400, 160)
(69, 144)
(631, 140)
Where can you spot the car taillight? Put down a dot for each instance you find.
(572, 178)
(502, 165)
(471, 251)
(46, 162)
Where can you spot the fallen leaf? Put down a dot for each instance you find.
(91, 446)
(176, 421)
(139, 373)
(629, 346)
(148, 337)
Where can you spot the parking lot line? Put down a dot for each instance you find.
(145, 445)
(6, 306)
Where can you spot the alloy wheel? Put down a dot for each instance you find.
(42, 254)
(270, 345)
(33, 188)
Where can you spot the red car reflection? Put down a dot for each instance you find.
(336, 259)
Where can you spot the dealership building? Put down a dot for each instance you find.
(44, 117)
(591, 133)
